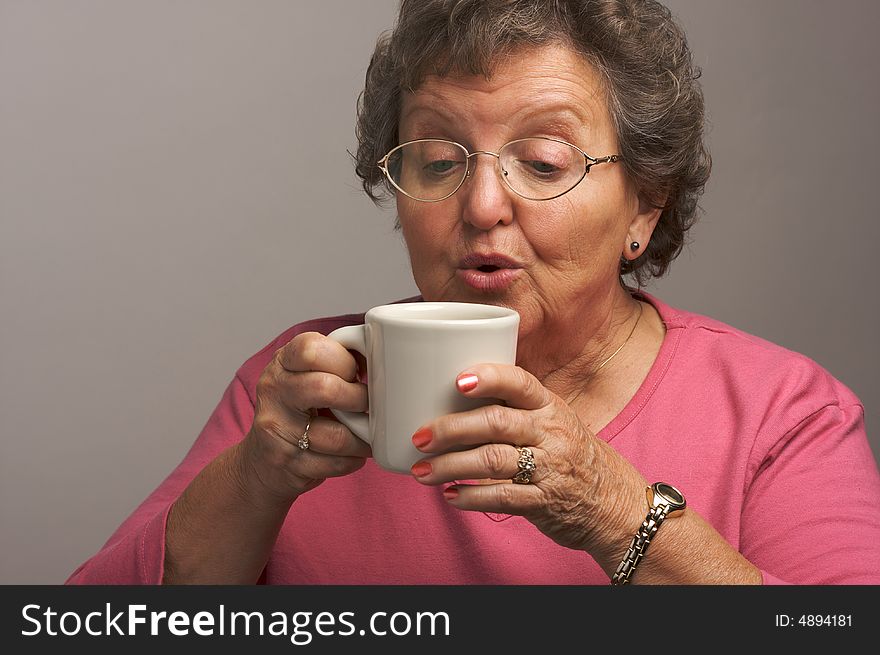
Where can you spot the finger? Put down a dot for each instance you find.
(312, 351)
(511, 384)
(282, 464)
(330, 437)
(484, 425)
(492, 461)
(503, 498)
(325, 435)
(315, 389)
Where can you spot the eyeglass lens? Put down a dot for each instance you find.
(533, 168)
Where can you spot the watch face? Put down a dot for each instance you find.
(670, 492)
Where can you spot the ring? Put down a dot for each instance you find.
(525, 465)
(303, 442)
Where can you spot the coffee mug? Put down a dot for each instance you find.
(414, 352)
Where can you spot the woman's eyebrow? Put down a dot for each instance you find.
(425, 120)
(428, 123)
(420, 113)
(559, 115)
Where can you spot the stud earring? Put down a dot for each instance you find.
(634, 246)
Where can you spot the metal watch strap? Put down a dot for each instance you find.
(639, 545)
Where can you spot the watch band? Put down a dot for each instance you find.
(639, 545)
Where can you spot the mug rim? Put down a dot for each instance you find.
(396, 313)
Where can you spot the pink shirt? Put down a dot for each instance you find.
(765, 444)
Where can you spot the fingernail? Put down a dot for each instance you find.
(421, 469)
(450, 493)
(422, 437)
(466, 381)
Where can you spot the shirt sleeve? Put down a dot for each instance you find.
(811, 509)
(135, 553)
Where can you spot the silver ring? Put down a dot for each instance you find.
(303, 442)
(525, 465)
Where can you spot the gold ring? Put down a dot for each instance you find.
(303, 442)
(525, 465)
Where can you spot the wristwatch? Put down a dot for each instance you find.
(664, 501)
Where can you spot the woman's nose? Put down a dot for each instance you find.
(487, 199)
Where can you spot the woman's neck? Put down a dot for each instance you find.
(582, 351)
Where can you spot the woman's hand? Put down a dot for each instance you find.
(310, 371)
(222, 528)
(582, 494)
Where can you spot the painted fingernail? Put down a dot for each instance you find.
(421, 469)
(422, 437)
(466, 381)
(450, 493)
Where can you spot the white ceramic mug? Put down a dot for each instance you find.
(414, 352)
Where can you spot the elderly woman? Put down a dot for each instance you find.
(539, 154)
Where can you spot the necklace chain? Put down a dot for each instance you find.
(620, 347)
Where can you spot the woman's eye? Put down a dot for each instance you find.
(441, 165)
(542, 166)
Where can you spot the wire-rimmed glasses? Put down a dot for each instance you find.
(536, 168)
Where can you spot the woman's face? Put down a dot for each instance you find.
(556, 257)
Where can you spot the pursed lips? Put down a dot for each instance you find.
(488, 262)
(488, 272)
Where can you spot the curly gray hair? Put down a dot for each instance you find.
(640, 51)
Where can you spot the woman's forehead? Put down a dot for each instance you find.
(549, 83)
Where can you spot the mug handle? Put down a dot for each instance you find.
(353, 337)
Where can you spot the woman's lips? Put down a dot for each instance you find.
(490, 271)
(498, 279)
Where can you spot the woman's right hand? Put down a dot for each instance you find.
(310, 372)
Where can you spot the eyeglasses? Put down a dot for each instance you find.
(537, 168)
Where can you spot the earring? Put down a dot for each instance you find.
(634, 246)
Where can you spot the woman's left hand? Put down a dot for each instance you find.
(582, 494)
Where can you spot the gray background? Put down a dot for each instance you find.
(175, 191)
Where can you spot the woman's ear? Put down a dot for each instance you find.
(641, 228)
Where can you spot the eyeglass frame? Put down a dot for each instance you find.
(589, 162)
